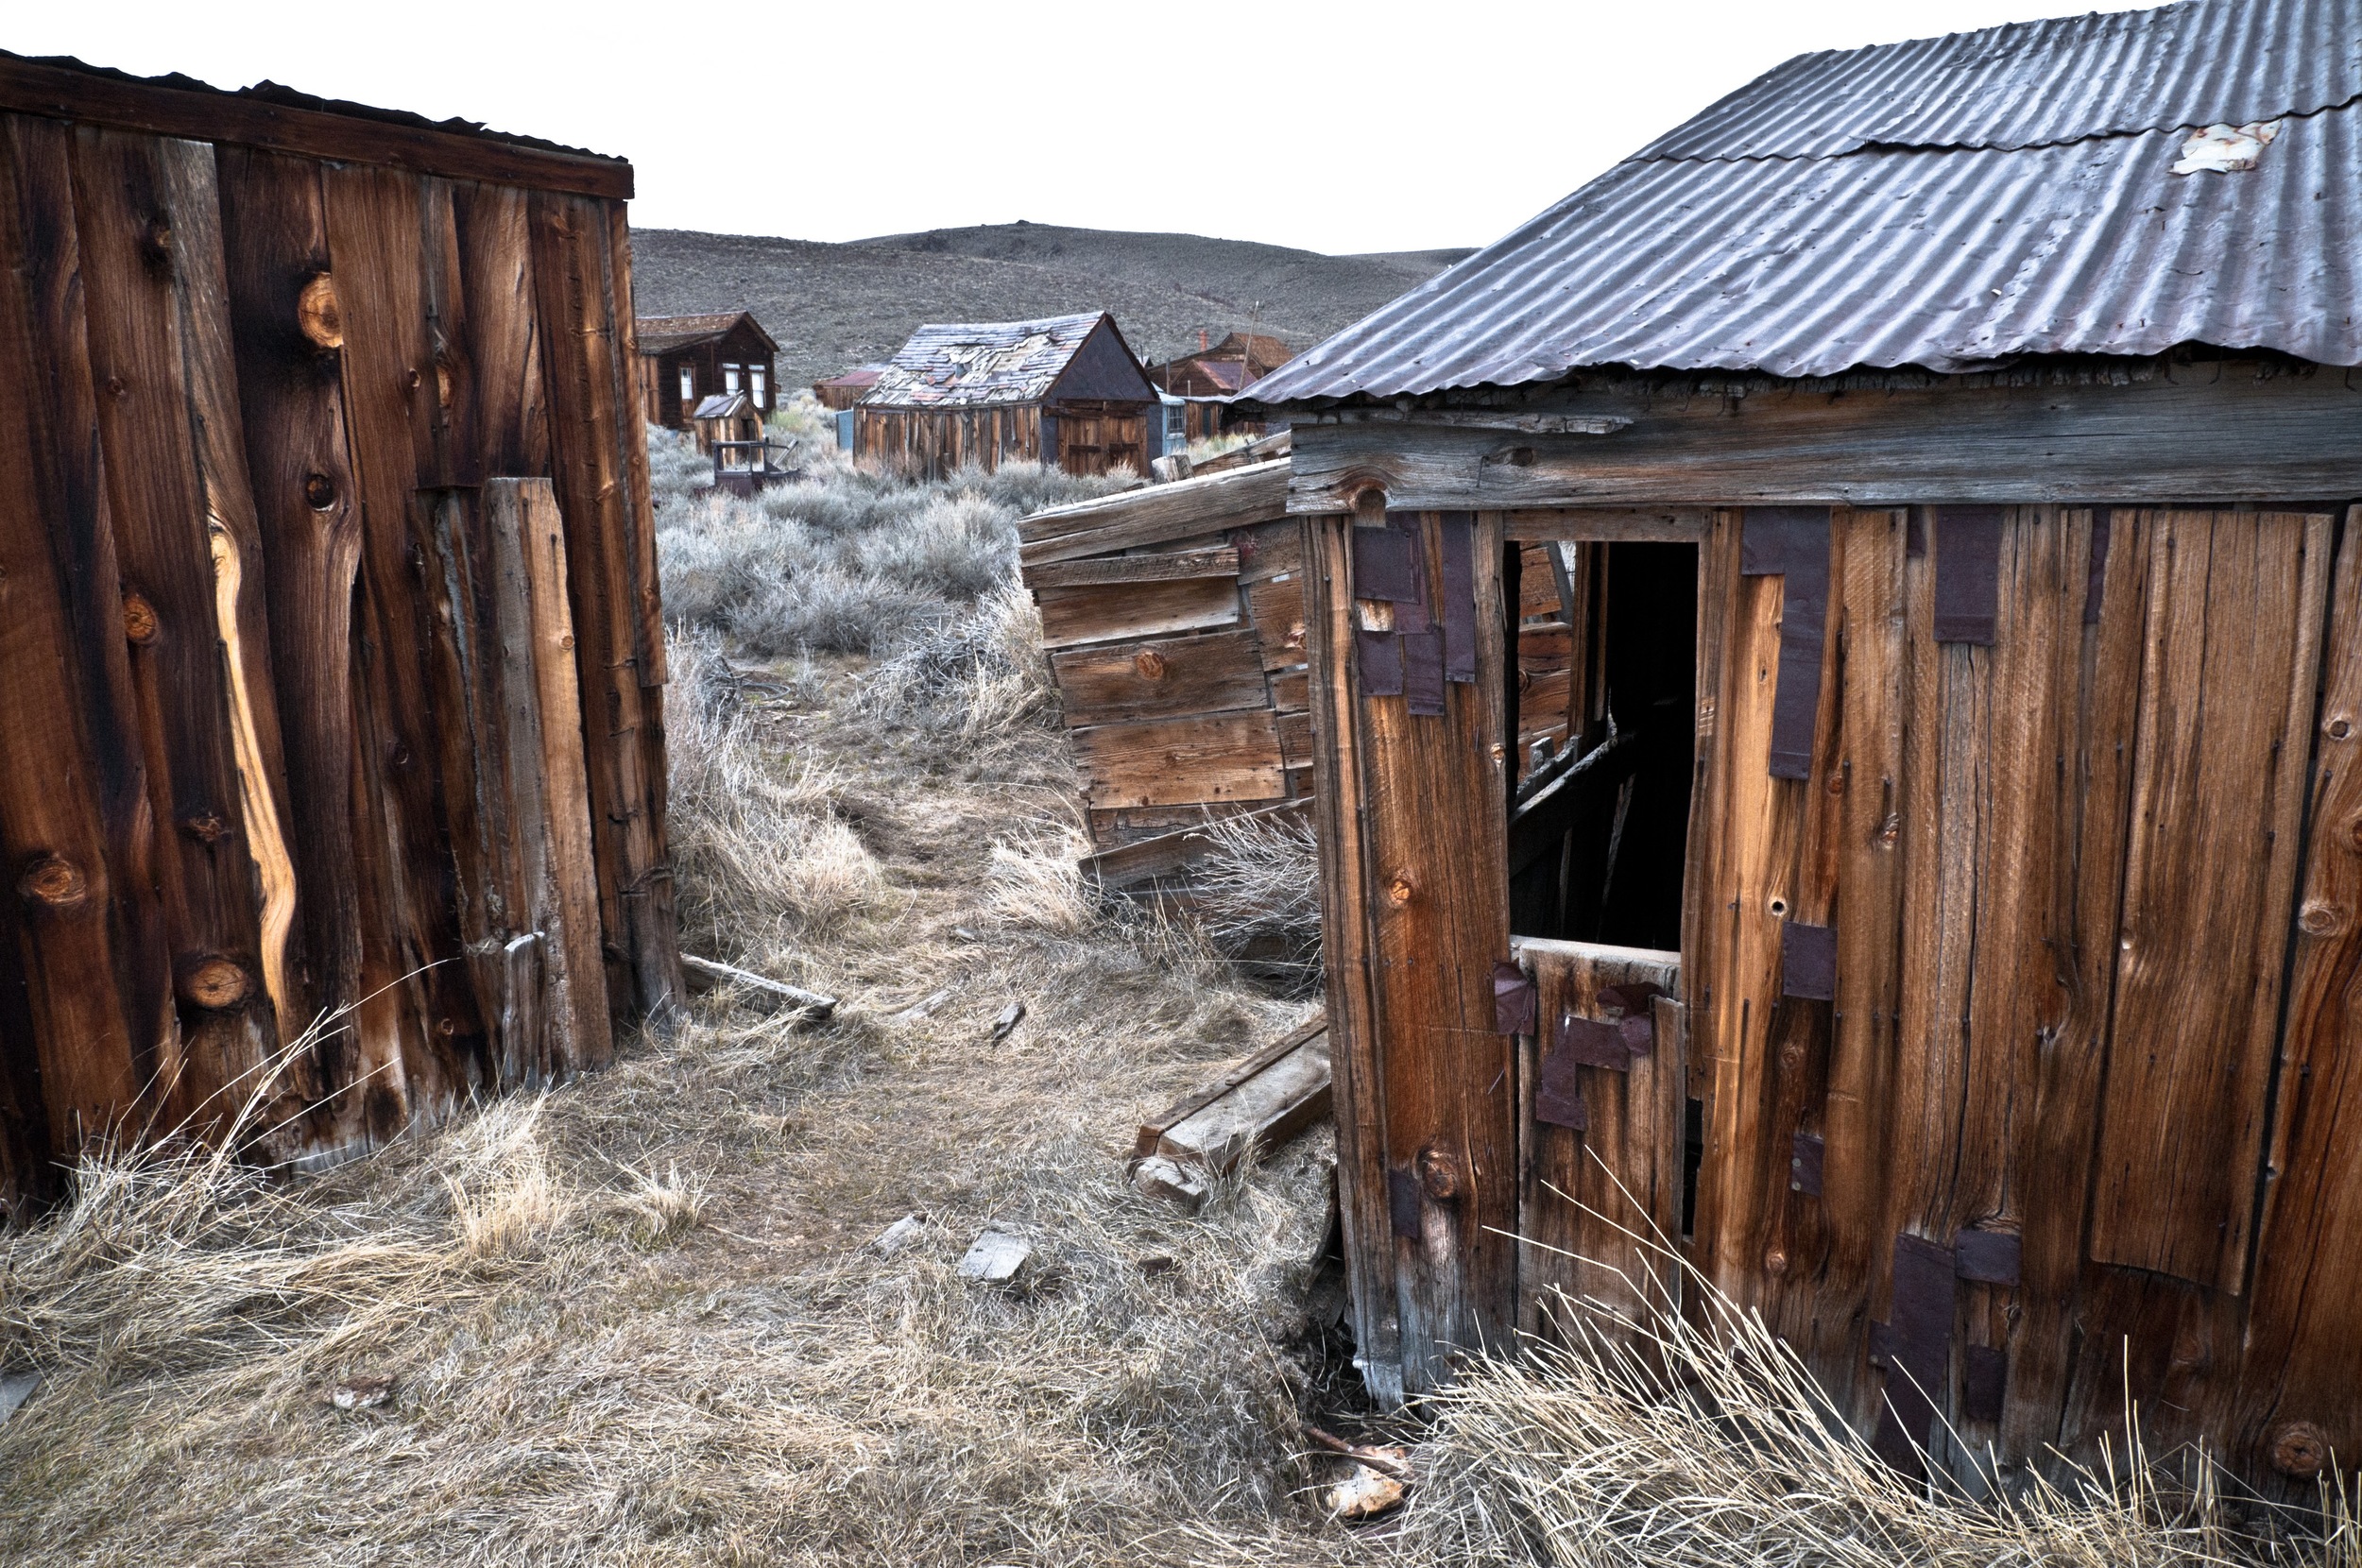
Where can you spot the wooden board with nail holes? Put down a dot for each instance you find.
(1220, 757)
(1107, 612)
(1159, 679)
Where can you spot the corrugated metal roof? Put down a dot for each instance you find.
(1941, 204)
(948, 365)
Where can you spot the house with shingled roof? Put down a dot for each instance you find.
(1065, 390)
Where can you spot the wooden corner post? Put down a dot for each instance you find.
(1404, 635)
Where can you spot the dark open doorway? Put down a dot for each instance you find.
(1600, 824)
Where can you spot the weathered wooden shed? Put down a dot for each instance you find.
(685, 360)
(1210, 378)
(1946, 927)
(331, 655)
(840, 392)
(1065, 391)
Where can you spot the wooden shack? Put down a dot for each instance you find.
(841, 392)
(333, 659)
(685, 360)
(1065, 391)
(1209, 379)
(1946, 929)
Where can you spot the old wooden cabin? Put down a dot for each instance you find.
(1065, 391)
(333, 659)
(685, 360)
(1946, 928)
(1209, 380)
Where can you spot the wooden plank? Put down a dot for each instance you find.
(1347, 887)
(1295, 739)
(2303, 1362)
(1134, 568)
(1268, 549)
(308, 513)
(1159, 679)
(1435, 812)
(1070, 615)
(1276, 607)
(1163, 853)
(602, 498)
(496, 287)
(2226, 689)
(2242, 432)
(61, 94)
(1608, 524)
(131, 196)
(1156, 514)
(1598, 1200)
(1292, 693)
(1225, 757)
(88, 988)
(1263, 1102)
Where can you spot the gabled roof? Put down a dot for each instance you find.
(722, 405)
(2045, 188)
(995, 361)
(664, 334)
(859, 375)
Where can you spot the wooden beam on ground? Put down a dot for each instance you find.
(1260, 1103)
(706, 972)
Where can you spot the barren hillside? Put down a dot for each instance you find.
(835, 306)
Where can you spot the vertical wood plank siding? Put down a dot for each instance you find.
(2066, 872)
(333, 650)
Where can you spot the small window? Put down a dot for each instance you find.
(688, 382)
(756, 378)
(729, 378)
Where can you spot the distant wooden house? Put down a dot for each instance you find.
(1066, 391)
(1206, 379)
(841, 392)
(686, 359)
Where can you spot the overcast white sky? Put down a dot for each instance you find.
(1331, 126)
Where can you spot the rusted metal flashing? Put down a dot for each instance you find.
(1793, 543)
(1807, 1157)
(1458, 594)
(1968, 574)
(2100, 520)
(1402, 1203)
(1917, 1344)
(1423, 670)
(1382, 566)
(1513, 998)
(1807, 961)
(1984, 1382)
(1986, 1257)
(1558, 1091)
(1381, 655)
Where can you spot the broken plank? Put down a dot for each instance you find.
(1188, 1126)
(1220, 757)
(1276, 605)
(1129, 863)
(1104, 612)
(1159, 679)
(1134, 568)
(776, 993)
(1159, 513)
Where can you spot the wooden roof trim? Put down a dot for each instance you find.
(31, 87)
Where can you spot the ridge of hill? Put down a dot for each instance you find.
(835, 306)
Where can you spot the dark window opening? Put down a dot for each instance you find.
(1600, 824)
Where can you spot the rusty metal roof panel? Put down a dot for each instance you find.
(1943, 256)
(963, 364)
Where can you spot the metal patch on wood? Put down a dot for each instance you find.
(1513, 998)
(1968, 573)
(1382, 566)
(2098, 578)
(1988, 1258)
(1793, 543)
(1414, 614)
(1984, 1382)
(1558, 1092)
(1636, 999)
(1807, 961)
(1381, 655)
(1915, 531)
(1919, 1347)
(1458, 595)
(1593, 1044)
(1423, 671)
(1806, 1155)
(1402, 1204)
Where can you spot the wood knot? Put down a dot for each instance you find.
(1150, 663)
(53, 880)
(413, 379)
(2300, 1449)
(1836, 785)
(1439, 1173)
(205, 828)
(447, 1028)
(116, 389)
(139, 620)
(215, 982)
(1775, 1262)
(1398, 891)
(319, 492)
(156, 244)
(317, 315)
(2321, 918)
(442, 385)
(2337, 729)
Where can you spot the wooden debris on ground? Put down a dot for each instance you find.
(1009, 1016)
(1380, 1477)
(995, 1257)
(922, 1008)
(760, 990)
(901, 1233)
(362, 1391)
(15, 1389)
(1158, 1177)
(1260, 1103)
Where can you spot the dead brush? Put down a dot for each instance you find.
(1257, 892)
(1648, 1438)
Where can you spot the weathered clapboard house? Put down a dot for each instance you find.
(1065, 391)
(1946, 924)
(331, 673)
(685, 360)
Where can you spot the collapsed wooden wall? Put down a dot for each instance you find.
(333, 654)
